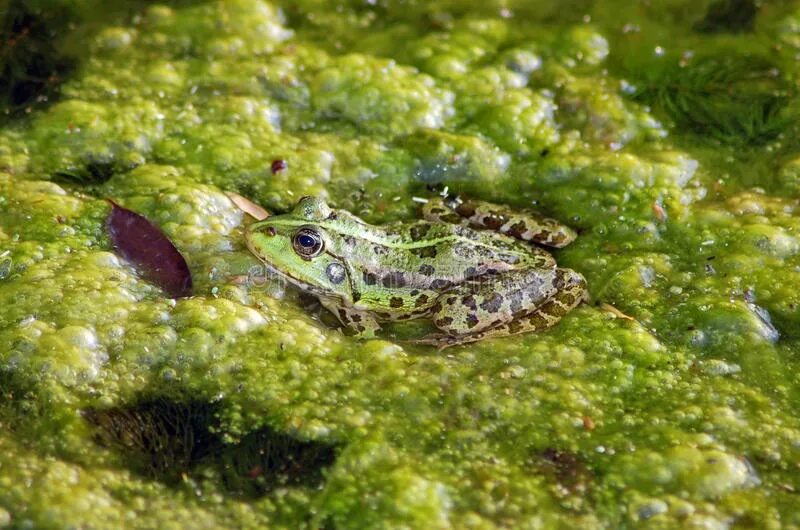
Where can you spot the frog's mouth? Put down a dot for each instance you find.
(301, 284)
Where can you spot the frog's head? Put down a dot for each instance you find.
(296, 245)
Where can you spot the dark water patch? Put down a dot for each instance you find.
(566, 469)
(267, 459)
(94, 172)
(734, 100)
(159, 439)
(729, 16)
(31, 64)
(169, 441)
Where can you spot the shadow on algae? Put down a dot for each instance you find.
(166, 441)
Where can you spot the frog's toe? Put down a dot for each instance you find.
(440, 340)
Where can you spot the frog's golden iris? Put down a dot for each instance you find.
(466, 266)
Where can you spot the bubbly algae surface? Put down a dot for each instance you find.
(665, 131)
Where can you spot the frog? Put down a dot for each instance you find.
(476, 270)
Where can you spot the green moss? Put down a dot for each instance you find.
(669, 401)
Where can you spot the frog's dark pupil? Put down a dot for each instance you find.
(307, 243)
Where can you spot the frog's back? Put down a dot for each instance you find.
(425, 255)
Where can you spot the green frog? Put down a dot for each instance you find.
(468, 266)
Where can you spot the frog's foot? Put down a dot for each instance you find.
(571, 292)
(524, 225)
(361, 323)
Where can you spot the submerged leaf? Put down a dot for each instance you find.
(142, 244)
(737, 100)
(96, 171)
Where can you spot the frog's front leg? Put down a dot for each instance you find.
(505, 304)
(362, 323)
(524, 225)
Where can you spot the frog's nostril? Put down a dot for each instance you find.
(271, 231)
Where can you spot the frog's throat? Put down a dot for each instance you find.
(303, 285)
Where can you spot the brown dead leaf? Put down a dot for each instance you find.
(248, 206)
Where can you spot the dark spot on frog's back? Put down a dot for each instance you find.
(370, 278)
(538, 321)
(427, 270)
(515, 299)
(469, 301)
(493, 221)
(396, 302)
(517, 229)
(350, 241)
(451, 218)
(440, 283)
(465, 232)
(444, 321)
(428, 251)
(463, 251)
(472, 320)
(465, 209)
(394, 279)
(419, 231)
(493, 303)
(422, 300)
(557, 240)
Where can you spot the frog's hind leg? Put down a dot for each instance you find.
(523, 224)
(570, 290)
(362, 323)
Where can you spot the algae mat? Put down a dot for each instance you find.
(666, 132)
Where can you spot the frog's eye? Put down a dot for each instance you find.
(307, 243)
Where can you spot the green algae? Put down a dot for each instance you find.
(123, 408)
